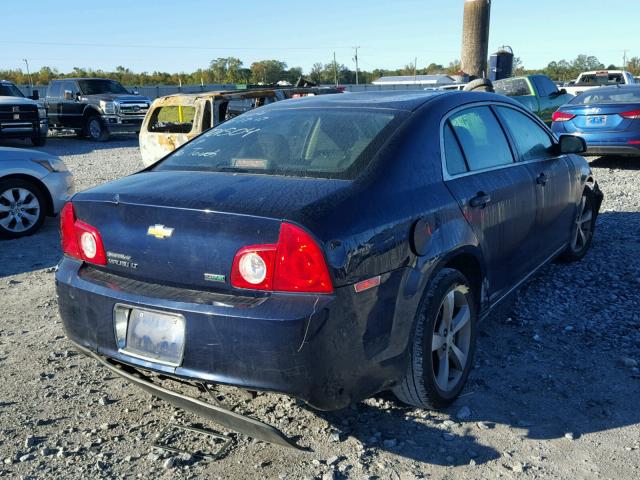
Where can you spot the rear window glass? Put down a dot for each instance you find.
(305, 142)
(619, 95)
(601, 79)
(512, 87)
(172, 119)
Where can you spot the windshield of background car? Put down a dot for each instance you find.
(512, 87)
(8, 90)
(300, 142)
(619, 95)
(95, 87)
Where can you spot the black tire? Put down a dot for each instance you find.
(95, 129)
(580, 245)
(38, 141)
(9, 228)
(479, 85)
(420, 386)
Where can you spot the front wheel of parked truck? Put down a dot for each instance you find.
(443, 344)
(95, 129)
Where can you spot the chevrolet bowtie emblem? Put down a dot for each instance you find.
(160, 231)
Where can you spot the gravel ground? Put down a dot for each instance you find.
(554, 393)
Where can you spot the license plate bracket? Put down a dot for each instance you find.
(155, 336)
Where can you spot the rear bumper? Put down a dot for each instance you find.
(604, 143)
(247, 425)
(328, 350)
(623, 150)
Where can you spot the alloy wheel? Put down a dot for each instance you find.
(95, 129)
(19, 209)
(583, 226)
(451, 339)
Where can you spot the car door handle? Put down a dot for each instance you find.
(480, 200)
(542, 179)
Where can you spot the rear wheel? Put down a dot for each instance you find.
(95, 129)
(582, 231)
(21, 208)
(443, 344)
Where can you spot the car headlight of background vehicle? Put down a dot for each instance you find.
(52, 164)
(42, 113)
(108, 108)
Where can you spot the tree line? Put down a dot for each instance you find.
(231, 70)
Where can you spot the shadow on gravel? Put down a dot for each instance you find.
(618, 163)
(562, 365)
(70, 145)
(26, 254)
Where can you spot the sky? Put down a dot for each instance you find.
(184, 35)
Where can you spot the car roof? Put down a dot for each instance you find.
(610, 89)
(407, 100)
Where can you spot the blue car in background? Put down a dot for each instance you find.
(608, 118)
(328, 248)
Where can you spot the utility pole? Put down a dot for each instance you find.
(28, 74)
(415, 69)
(624, 59)
(356, 59)
(335, 70)
(475, 37)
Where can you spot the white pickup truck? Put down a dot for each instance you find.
(599, 78)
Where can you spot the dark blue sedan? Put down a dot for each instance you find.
(327, 248)
(608, 118)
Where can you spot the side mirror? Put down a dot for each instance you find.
(35, 95)
(68, 95)
(563, 91)
(572, 144)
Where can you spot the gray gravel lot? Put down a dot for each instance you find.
(555, 392)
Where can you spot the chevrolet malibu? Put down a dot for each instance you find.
(327, 248)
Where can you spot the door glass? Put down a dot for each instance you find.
(481, 137)
(452, 153)
(531, 140)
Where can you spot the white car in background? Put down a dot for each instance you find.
(33, 185)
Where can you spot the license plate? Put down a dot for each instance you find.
(155, 336)
(16, 116)
(596, 119)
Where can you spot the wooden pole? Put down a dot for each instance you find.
(475, 37)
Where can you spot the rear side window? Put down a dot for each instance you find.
(172, 119)
(481, 137)
(531, 140)
(512, 87)
(452, 153)
(304, 142)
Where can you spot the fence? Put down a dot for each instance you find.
(161, 90)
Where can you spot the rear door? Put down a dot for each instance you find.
(496, 194)
(53, 102)
(552, 174)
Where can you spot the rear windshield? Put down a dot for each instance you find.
(601, 79)
(9, 90)
(619, 95)
(512, 87)
(301, 142)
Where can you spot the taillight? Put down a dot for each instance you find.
(632, 115)
(79, 239)
(561, 116)
(294, 264)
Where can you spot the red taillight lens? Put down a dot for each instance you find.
(295, 264)
(80, 240)
(562, 116)
(632, 115)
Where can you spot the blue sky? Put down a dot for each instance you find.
(172, 35)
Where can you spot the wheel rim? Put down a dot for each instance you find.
(19, 209)
(583, 226)
(95, 128)
(451, 339)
